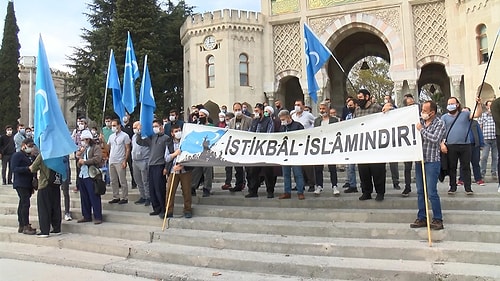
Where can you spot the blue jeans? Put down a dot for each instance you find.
(489, 145)
(287, 178)
(351, 175)
(432, 170)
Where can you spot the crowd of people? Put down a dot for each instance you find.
(448, 139)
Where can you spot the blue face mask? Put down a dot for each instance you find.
(451, 107)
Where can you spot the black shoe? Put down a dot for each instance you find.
(206, 193)
(346, 185)
(147, 202)
(396, 186)
(406, 191)
(351, 190)
(452, 191)
(123, 201)
(188, 215)
(10, 182)
(162, 215)
(365, 196)
(294, 188)
(311, 189)
(251, 195)
(236, 189)
(115, 200)
(154, 213)
(469, 192)
(380, 197)
(140, 201)
(270, 195)
(193, 192)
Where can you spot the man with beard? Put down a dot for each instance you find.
(372, 174)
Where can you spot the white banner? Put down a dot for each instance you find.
(376, 138)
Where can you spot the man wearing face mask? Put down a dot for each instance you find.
(372, 174)
(351, 184)
(307, 120)
(182, 174)
(119, 149)
(202, 172)
(157, 144)
(222, 120)
(245, 110)
(260, 124)
(457, 144)
(490, 143)
(7, 148)
(289, 125)
(140, 161)
(19, 136)
(173, 119)
(81, 125)
(23, 178)
(239, 122)
(127, 128)
(106, 132)
(324, 120)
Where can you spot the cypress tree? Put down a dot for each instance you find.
(10, 84)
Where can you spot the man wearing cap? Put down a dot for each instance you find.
(205, 172)
(260, 124)
(119, 149)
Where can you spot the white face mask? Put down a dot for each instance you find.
(9, 132)
(114, 129)
(156, 130)
(284, 123)
(297, 108)
(83, 143)
(222, 119)
(425, 116)
(81, 127)
(93, 132)
(28, 149)
(125, 119)
(137, 131)
(256, 115)
(171, 118)
(238, 113)
(178, 135)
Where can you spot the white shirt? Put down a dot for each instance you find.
(117, 142)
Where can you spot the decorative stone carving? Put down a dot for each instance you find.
(279, 7)
(318, 25)
(390, 16)
(287, 48)
(429, 22)
(316, 4)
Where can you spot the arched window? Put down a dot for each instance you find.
(243, 70)
(482, 43)
(210, 71)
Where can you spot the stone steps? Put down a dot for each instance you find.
(320, 238)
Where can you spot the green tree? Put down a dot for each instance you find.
(376, 79)
(10, 84)
(154, 30)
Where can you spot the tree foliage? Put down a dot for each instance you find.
(154, 29)
(376, 79)
(10, 84)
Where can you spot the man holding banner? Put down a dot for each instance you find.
(432, 130)
(372, 174)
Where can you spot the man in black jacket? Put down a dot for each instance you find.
(7, 148)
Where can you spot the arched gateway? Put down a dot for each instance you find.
(442, 43)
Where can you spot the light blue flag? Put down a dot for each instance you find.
(51, 132)
(316, 56)
(148, 104)
(130, 75)
(113, 82)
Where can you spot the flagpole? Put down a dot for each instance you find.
(106, 90)
(429, 237)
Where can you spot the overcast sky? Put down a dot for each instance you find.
(60, 23)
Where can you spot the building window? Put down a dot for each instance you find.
(243, 70)
(482, 42)
(210, 71)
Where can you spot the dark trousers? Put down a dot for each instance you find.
(394, 167)
(91, 202)
(498, 162)
(253, 178)
(6, 175)
(23, 209)
(309, 176)
(239, 175)
(408, 168)
(65, 190)
(371, 175)
(462, 153)
(157, 188)
(131, 169)
(48, 202)
(319, 174)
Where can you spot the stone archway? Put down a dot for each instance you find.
(382, 40)
(289, 90)
(435, 73)
(487, 93)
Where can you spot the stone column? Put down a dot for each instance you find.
(455, 88)
(270, 98)
(413, 90)
(398, 92)
(307, 98)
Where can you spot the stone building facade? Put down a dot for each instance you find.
(235, 55)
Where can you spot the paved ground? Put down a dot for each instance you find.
(17, 270)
